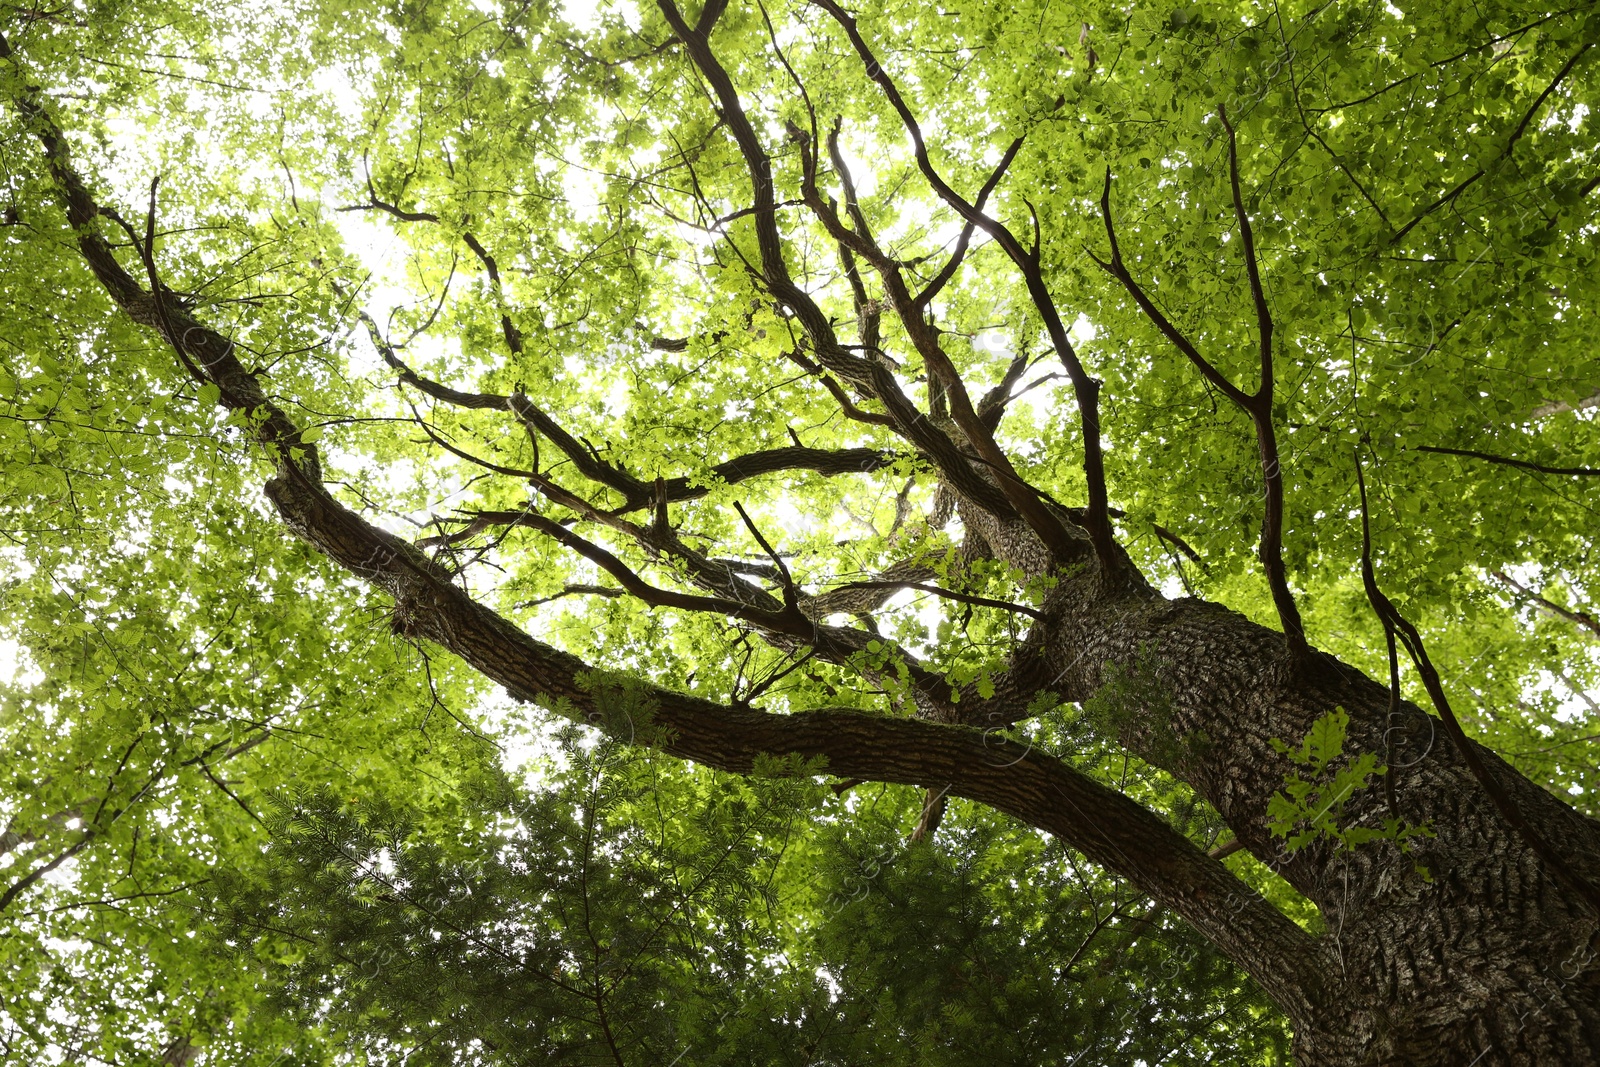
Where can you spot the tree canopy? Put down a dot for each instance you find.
(769, 533)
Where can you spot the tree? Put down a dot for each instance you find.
(730, 429)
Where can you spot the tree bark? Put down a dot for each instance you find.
(1493, 961)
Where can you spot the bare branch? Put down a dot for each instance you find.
(508, 329)
(1264, 327)
(849, 407)
(1550, 607)
(481, 401)
(1521, 464)
(1260, 408)
(375, 203)
(827, 462)
(1181, 545)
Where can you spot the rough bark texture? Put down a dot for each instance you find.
(1493, 961)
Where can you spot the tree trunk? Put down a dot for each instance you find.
(1495, 960)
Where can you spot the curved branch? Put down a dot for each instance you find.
(948, 594)
(428, 387)
(1550, 607)
(1118, 270)
(826, 462)
(512, 335)
(1257, 405)
(858, 598)
(848, 406)
(788, 620)
(573, 589)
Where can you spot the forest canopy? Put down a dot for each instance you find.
(925, 533)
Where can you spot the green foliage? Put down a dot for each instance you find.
(209, 733)
(1311, 805)
(632, 907)
(619, 907)
(1135, 698)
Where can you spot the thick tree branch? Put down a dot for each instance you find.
(827, 462)
(993, 403)
(934, 803)
(857, 598)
